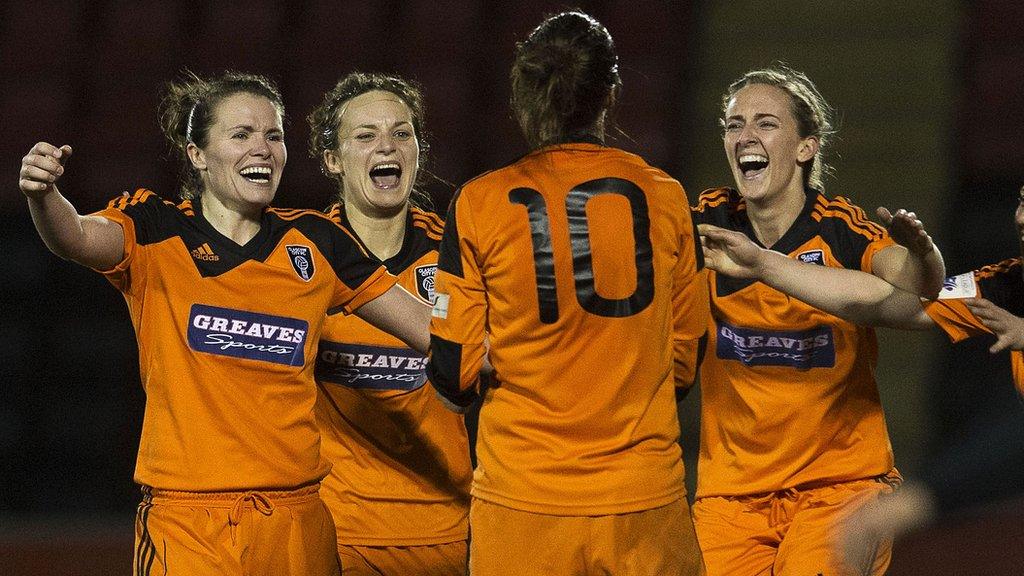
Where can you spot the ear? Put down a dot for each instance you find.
(332, 163)
(808, 149)
(196, 156)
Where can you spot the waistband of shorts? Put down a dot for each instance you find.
(152, 495)
(892, 478)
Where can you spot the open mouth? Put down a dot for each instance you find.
(752, 165)
(386, 175)
(257, 174)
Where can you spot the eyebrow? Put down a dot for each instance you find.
(756, 116)
(374, 126)
(251, 129)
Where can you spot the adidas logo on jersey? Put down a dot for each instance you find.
(204, 252)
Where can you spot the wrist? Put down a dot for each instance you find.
(765, 261)
(40, 196)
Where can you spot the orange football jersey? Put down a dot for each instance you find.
(227, 337)
(1000, 283)
(788, 391)
(401, 467)
(577, 264)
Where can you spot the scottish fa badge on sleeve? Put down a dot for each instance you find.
(425, 281)
(301, 258)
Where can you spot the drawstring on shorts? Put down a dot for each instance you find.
(260, 502)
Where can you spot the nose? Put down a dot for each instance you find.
(747, 134)
(386, 144)
(260, 146)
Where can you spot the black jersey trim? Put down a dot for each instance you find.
(444, 369)
(449, 257)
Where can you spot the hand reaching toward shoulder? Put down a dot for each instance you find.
(907, 230)
(1008, 328)
(729, 252)
(41, 168)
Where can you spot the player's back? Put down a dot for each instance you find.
(580, 249)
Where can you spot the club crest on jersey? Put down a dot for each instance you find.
(244, 334)
(812, 257)
(425, 281)
(801, 349)
(301, 258)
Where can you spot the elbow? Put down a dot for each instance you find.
(932, 290)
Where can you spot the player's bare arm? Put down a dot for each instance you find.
(853, 295)
(915, 265)
(402, 314)
(91, 241)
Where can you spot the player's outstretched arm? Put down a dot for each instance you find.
(1007, 327)
(853, 295)
(918, 267)
(400, 314)
(91, 241)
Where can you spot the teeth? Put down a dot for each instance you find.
(255, 170)
(387, 165)
(753, 158)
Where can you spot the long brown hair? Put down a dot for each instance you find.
(324, 120)
(564, 79)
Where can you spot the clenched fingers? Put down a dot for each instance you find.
(41, 167)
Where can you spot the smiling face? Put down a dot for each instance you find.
(763, 144)
(242, 162)
(377, 154)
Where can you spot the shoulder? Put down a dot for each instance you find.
(429, 224)
(298, 215)
(1011, 267)
(840, 213)
(333, 212)
(144, 200)
(323, 229)
(152, 218)
(719, 200)
(307, 220)
(1003, 284)
(717, 196)
(484, 180)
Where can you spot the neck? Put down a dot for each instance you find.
(239, 226)
(771, 218)
(382, 234)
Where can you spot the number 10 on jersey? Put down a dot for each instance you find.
(579, 240)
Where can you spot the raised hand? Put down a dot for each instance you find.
(906, 230)
(41, 168)
(858, 534)
(1008, 328)
(729, 252)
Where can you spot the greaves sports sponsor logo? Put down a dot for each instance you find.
(375, 367)
(813, 348)
(425, 281)
(250, 335)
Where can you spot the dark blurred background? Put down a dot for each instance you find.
(930, 108)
